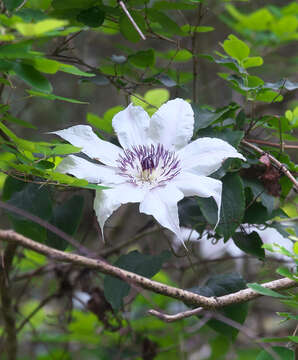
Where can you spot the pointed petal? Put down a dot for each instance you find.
(204, 156)
(161, 203)
(82, 136)
(172, 125)
(202, 186)
(131, 126)
(93, 173)
(107, 201)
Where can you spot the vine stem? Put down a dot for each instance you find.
(280, 166)
(8, 313)
(102, 266)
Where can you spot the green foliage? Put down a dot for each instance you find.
(146, 265)
(220, 285)
(40, 40)
(232, 206)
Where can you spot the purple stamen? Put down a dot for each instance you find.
(138, 162)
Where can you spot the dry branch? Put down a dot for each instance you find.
(145, 283)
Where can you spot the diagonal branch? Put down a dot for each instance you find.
(279, 165)
(145, 283)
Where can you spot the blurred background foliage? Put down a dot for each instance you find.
(72, 62)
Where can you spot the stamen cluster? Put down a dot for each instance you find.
(151, 165)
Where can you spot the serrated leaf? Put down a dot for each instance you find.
(146, 265)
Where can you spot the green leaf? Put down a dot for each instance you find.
(232, 206)
(146, 265)
(55, 97)
(66, 216)
(11, 5)
(32, 77)
(39, 28)
(143, 59)
(157, 97)
(35, 200)
(220, 285)
(16, 51)
(181, 55)
(236, 48)
(162, 23)
(187, 29)
(128, 30)
(259, 191)
(64, 149)
(92, 17)
(250, 243)
(252, 62)
(266, 292)
(233, 137)
(71, 4)
(104, 123)
(20, 122)
(283, 352)
(71, 69)
(205, 117)
(269, 96)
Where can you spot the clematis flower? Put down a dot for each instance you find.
(156, 166)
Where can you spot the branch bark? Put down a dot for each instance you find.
(280, 166)
(8, 313)
(145, 283)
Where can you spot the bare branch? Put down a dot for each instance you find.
(280, 166)
(145, 283)
(134, 24)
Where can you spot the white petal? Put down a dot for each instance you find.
(109, 200)
(206, 155)
(202, 186)
(172, 125)
(93, 173)
(82, 136)
(161, 203)
(131, 126)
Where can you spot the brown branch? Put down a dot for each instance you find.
(145, 283)
(234, 298)
(8, 313)
(269, 143)
(280, 166)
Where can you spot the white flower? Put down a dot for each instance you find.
(155, 167)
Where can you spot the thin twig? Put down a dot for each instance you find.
(134, 24)
(269, 143)
(145, 283)
(46, 225)
(280, 166)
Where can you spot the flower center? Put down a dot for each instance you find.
(149, 165)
